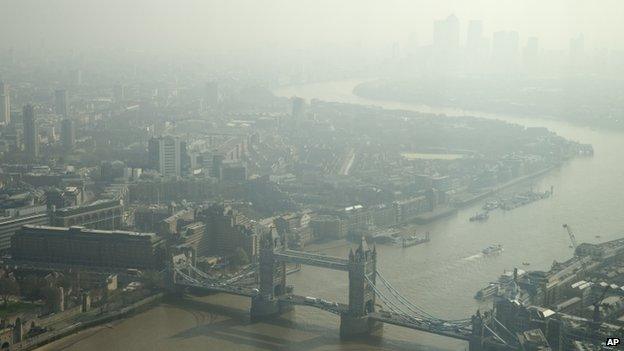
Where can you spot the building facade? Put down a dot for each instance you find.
(31, 132)
(165, 155)
(5, 104)
(68, 133)
(10, 225)
(87, 247)
(60, 103)
(102, 214)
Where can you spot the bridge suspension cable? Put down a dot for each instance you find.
(413, 309)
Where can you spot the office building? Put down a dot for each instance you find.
(446, 33)
(166, 155)
(68, 133)
(233, 172)
(102, 214)
(61, 106)
(474, 38)
(9, 225)
(5, 104)
(77, 246)
(31, 132)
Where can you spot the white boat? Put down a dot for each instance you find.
(493, 249)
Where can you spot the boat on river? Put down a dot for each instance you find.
(487, 292)
(492, 249)
(480, 217)
(414, 240)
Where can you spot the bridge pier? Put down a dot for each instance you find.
(353, 327)
(262, 309)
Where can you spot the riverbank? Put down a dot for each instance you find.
(501, 98)
(504, 186)
(96, 320)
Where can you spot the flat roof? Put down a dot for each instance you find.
(82, 230)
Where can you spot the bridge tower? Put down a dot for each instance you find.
(362, 269)
(272, 281)
(476, 339)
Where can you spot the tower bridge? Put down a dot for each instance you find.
(265, 284)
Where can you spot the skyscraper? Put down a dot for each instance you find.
(5, 104)
(474, 38)
(60, 106)
(165, 155)
(31, 133)
(68, 133)
(446, 33)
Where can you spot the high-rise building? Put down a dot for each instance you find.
(31, 132)
(68, 133)
(5, 104)
(60, 102)
(165, 155)
(446, 33)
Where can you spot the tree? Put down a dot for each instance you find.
(52, 297)
(31, 287)
(240, 257)
(8, 288)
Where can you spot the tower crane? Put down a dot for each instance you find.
(572, 237)
(574, 245)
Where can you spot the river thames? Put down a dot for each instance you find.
(442, 275)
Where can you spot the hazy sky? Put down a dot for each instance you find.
(234, 24)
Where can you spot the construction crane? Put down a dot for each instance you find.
(572, 237)
(574, 246)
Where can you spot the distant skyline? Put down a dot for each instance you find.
(247, 24)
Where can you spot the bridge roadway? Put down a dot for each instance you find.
(312, 259)
(239, 290)
(329, 306)
(425, 326)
